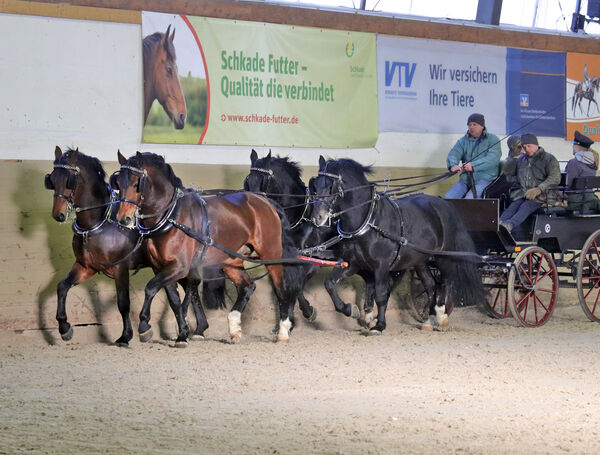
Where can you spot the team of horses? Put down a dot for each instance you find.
(145, 217)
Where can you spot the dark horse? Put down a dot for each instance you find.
(240, 223)
(100, 245)
(161, 80)
(383, 238)
(587, 93)
(280, 179)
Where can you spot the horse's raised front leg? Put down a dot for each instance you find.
(78, 274)
(123, 303)
(162, 279)
(337, 274)
(245, 288)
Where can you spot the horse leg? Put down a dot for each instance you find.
(338, 274)
(285, 300)
(429, 285)
(370, 320)
(78, 274)
(123, 303)
(191, 295)
(309, 312)
(382, 289)
(245, 288)
(154, 285)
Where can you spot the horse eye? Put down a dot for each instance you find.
(169, 71)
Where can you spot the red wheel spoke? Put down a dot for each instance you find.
(528, 276)
(592, 265)
(541, 303)
(591, 289)
(520, 303)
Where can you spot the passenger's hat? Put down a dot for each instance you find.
(582, 140)
(529, 138)
(477, 118)
(513, 141)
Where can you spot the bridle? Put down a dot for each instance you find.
(142, 176)
(336, 192)
(71, 183)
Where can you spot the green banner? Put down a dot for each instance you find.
(268, 84)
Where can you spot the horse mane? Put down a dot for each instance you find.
(89, 162)
(360, 170)
(157, 161)
(291, 167)
(151, 40)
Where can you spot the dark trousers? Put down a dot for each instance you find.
(519, 210)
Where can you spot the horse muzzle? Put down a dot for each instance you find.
(127, 222)
(320, 218)
(179, 121)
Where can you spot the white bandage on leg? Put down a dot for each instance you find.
(235, 324)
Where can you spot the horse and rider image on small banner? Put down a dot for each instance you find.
(583, 83)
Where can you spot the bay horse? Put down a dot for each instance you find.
(383, 238)
(161, 80)
(100, 245)
(587, 93)
(280, 179)
(240, 224)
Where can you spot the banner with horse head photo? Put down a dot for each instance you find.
(224, 82)
(583, 83)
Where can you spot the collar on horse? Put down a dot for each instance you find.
(164, 224)
(105, 219)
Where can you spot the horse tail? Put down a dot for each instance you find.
(213, 288)
(460, 274)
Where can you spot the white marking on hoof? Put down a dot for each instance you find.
(284, 331)
(374, 333)
(196, 337)
(354, 312)
(427, 326)
(181, 344)
(441, 316)
(235, 325)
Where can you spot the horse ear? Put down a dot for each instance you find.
(165, 39)
(253, 156)
(269, 155)
(321, 162)
(138, 155)
(57, 152)
(173, 34)
(121, 158)
(73, 158)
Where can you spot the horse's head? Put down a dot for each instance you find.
(335, 185)
(144, 181)
(63, 180)
(160, 73)
(261, 177)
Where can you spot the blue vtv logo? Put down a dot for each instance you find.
(524, 100)
(405, 72)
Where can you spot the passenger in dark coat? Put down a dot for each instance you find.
(537, 173)
(584, 164)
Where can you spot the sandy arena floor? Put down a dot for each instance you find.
(483, 387)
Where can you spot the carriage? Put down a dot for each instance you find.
(524, 269)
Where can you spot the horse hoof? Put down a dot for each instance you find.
(146, 336)
(181, 344)
(236, 337)
(445, 323)
(67, 336)
(122, 343)
(197, 337)
(427, 327)
(313, 315)
(374, 333)
(283, 340)
(354, 312)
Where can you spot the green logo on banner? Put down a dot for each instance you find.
(349, 49)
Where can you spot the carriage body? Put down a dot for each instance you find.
(523, 270)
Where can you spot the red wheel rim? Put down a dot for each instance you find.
(589, 276)
(535, 288)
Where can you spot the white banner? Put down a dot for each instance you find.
(432, 86)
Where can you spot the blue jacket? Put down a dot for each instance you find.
(486, 151)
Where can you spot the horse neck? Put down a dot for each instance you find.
(157, 202)
(353, 219)
(293, 205)
(149, 94)
(94, 194)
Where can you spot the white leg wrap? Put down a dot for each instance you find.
(284, 331)
(441, 316)
(235, 324)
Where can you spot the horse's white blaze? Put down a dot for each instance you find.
(284, 330)
(235, 323)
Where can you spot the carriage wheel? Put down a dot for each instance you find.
(417, 299)
(496, 305)
(588, 277)
(532, 287)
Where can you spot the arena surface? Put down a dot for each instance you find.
(483, 387)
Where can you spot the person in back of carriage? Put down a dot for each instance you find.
(584, 164)
(479, 152)
(537, 173)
